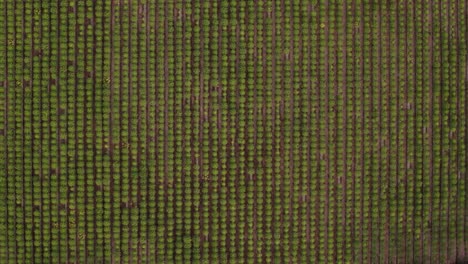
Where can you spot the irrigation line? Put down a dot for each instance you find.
(421, 131)
(23, 146)
(147, 129)
(104, 149)
(397, 130)
(431, 128)
(282, 147)
(273, 126)
(23, 191)
(207, 117)
(49, 131)
(327, 128)
(121, 128)
(257, 87)
(139, 200)
(362, 126)
(220, 89)
(85, 131)
(319, 90)
(371, 131)
(465, 211)
(41, 138)
(354, 164)
(379, 126)
(302, 198)
(414, 109)
(247, 178)
(386, 142)
(93, 126)
(441, 54)
(156, 129)
(335, 133)
(75, 131)
(192, 140)
(6, 90)
(458, 130)
(174, 133)
(405, 133)
(111, 125)
(67, 132)
(449, 125)
(33, 232)
(265, 134)
(344, 63)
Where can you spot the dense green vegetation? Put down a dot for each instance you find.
(233, 131)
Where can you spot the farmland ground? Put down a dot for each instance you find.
(202, 131)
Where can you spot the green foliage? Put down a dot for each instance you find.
(232, 131)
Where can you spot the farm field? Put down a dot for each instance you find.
(261, 131)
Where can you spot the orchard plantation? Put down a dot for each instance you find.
(233, 131)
